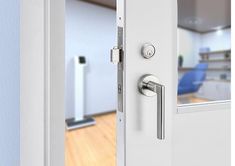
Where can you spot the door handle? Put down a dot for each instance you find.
(149, 86)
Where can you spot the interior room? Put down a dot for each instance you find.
(204, 70)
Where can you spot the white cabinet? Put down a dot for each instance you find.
(215, 90)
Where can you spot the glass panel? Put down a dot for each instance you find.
(204, 51)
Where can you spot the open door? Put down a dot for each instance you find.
(152, 129)
(147, 76)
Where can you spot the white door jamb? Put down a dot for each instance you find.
(42, 82)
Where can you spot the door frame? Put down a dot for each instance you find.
(42, 42)
(42, 74)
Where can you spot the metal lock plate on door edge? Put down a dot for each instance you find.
(148, 51)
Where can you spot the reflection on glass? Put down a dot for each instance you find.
(204, 51)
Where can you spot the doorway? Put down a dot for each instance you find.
(204, 69)
(90, 32)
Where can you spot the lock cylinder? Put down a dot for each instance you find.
(148, 51)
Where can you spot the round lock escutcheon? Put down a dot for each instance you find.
(143, 82)
(148, 51)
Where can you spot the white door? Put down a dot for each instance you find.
(152, 129)
(147, 33)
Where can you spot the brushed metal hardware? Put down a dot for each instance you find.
(116, 58)
(149, 86)
(116, 55)
(148, 51)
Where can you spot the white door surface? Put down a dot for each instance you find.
(145, 126)
(152, 129)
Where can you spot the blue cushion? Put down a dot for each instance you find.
(191, 81)
(185, 90)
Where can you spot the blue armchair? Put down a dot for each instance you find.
(192, 80)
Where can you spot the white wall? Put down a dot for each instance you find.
(9, 82)
(220, 40)
(91, 31)
(189, 44)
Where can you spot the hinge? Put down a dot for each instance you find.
(116, 55)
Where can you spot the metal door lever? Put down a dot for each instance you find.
(150, 87)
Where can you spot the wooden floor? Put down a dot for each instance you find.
(95, 145)
(191, 99)
(92, 146)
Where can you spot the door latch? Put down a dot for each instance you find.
(116, 55)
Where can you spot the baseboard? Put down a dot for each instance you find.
(101, 113)
(95, 114)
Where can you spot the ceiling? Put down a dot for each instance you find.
(197, 15)
(204, 15)
(107, 3)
